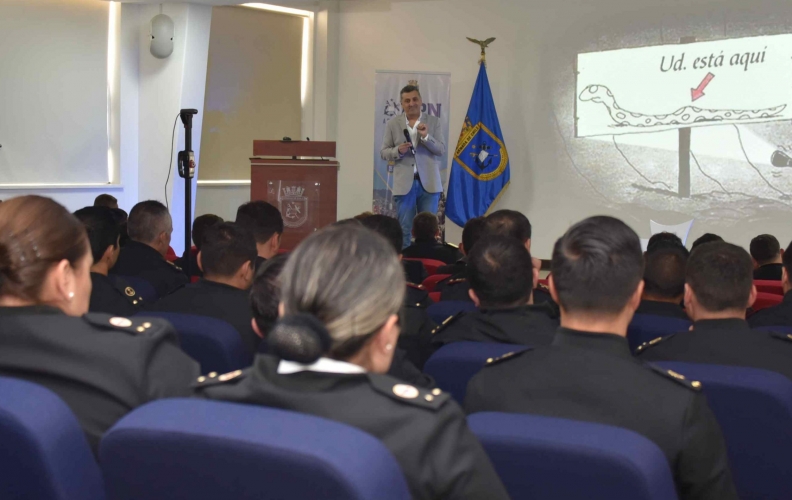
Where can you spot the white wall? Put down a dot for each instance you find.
(556, 179)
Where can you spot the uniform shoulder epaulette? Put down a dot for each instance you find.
(456, 281)
(507, 357)
(543, 287)
(417, 287)
(212, 378)
(676, 377)
(448, 322)
(451, 245)
(134, 325)
(653, 342)
(432, 399)
(174, 265)
(781, 336)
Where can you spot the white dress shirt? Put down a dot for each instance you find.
(325, 365)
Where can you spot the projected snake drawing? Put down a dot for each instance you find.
(683, 116)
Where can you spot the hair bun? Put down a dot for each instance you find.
(301, 338)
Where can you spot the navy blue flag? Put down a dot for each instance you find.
(480, 170)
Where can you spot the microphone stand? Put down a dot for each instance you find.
(186, 161)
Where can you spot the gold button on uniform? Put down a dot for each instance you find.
(212, 374)
(429, 397)
(201, 379)
(121, 322)
(437, 392)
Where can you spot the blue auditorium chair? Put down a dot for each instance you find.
(191, 449)
(44, 454)
(143, 288)
(214, 343)
(647, 327)
(544, 458)
(454, 364)
(754, 410)
(440, 311)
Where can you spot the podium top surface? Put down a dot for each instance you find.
(324, 149)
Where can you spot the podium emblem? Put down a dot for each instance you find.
(293, 206)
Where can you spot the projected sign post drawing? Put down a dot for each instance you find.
(647, 90)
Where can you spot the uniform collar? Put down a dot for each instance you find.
(208, 283)
(143, 247)
(711, 325)
(609, 343)
(323, 365)
(788, 297)
(29, 310)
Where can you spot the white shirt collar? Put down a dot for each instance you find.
(325, 365)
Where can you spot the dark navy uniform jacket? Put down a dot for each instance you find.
(433, 249)
(142, 261)
(593, 377)
(113, 295)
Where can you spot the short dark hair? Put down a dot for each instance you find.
(509, 223)
(261, 219)
(425, 226)
(664, 238)
(664, 270)
(387, 227)
(265, 293)
(500, 271)
(407, 89)
(106, 200)
(147, 220)
(764, 248)
(721, 276)
(102, 228)
(597, 265)
(472, 232)
(786, 260)
(705, 238)
(200, 225)
(226, 248)
(121, 218)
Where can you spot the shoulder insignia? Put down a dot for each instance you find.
(451, 245)
(676, 377)
(134, 325)
(129, 291)
(543, 287)
(417, 287)
(431, 399)
(212, 378)
(781, 336)
(174, 265)
(507, 356)
(457, 280)
(652, 342)
(447, 322)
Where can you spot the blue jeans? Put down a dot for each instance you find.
(412, 203)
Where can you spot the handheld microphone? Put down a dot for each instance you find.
(780, 159)
(409, 139)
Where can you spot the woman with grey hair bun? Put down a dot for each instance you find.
(329, 352)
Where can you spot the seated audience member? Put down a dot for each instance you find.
(265, 223)
(718, 289)
(414, 271)
(426, 231)
(109, 294)
(362, 215)
(101, 366)
(106, 200)
(470, 234)
(781, 314)
(664, 238)
(705, 238)
(227, 258)
(121, 218)
(501, 276)
(200, 224)
(766, 253)
(664, 281)
(341, 292)
(456, 286)
(150, 227)
(416, 327)
(589, 374)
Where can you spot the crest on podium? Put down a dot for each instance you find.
(293, 206)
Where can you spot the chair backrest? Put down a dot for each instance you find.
(754, 410)
(431, 282)
(453, 365)
(214, 343)
(143, 288)
(171, 256)
(435, 296)
(196, 449)
(431, 265)
(544, 458)
(646, 327)
(769, 286)
(765, 300)
(44, 454)
(440, 311)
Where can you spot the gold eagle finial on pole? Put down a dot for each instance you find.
(483, 45)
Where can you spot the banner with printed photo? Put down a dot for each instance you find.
(435, 91)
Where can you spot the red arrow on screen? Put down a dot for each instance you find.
(698, 92)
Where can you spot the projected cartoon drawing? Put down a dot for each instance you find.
(686, 115)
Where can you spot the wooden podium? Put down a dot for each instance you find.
(304, 190)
